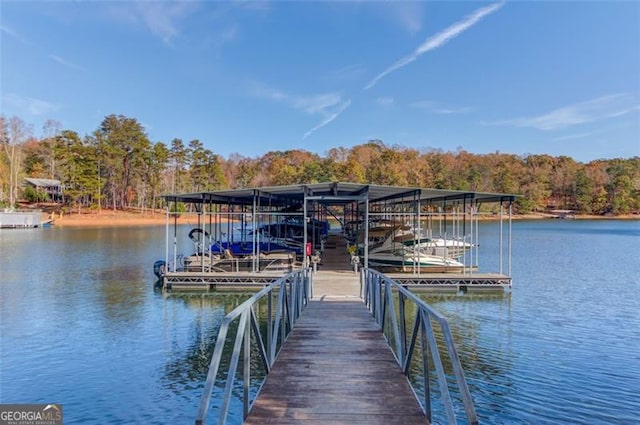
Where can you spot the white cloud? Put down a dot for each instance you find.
(9, 31)
(66, 62)
(328, 105)
(571, 137)
(341, 108)
(597, 109)
(437, 108)
(317, 103)
(5, 29)
(385, 101)
(29, 105)
(407, 14)
(349, 73)
(439, 40)
(161, 18)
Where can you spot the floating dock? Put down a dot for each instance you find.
(20, 219)
(335, 258)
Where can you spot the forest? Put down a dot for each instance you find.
(118, 167)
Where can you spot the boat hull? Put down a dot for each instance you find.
(427, 264)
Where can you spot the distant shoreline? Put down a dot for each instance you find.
(111, 219)
(125, 219)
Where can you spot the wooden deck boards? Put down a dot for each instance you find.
(335, 256)
(336, 368)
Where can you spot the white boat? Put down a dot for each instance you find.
(398, 248)
(404, 260)
(390, 237)
(443, 247)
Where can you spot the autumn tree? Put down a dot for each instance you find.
(119, 165)
(622, 185)
(36, 159)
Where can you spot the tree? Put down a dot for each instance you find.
(13, 132)
(50, 130)
(198, 171)
(388, 168)
(122, 143)
(77, 165)
(620, 186)
(534, 186)
(179, 161)
(35, 159)
(247, 172)
(157, 162)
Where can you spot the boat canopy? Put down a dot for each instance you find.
(334, 193)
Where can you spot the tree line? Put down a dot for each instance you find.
(118, 167)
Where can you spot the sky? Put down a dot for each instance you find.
(249, 77)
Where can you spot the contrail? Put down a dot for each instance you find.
(439, 39)
(330, 118)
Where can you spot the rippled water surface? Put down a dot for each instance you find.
(81, 325)
(564, 346)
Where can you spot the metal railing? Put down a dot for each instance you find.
(292, 292)
(379, 292)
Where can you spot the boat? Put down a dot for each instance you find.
(404, 260)
(400, 248)
(290, 234)
(393, 236)
(443, 247)
(229, 256)
(272, 261)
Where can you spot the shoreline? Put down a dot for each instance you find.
(111, 219)
(127, 219)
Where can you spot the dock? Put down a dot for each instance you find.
(335, 258)
(336, 366)
(20, 219)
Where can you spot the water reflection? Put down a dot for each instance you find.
(481, 325)
(186, 367)
(186, 370)
(81, 324)
(478, 324)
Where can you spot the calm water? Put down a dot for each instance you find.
(81, 325)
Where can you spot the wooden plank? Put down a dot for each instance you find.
(336, 368)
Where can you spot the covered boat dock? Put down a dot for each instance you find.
(252, 236)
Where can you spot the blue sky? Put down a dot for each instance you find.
(249, 77)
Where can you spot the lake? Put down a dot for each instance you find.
(81, 325)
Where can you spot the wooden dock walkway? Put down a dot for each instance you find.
(336, 367)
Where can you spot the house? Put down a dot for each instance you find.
(52, 188)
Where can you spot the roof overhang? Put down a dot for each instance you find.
(335, 193)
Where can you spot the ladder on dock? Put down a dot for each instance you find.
(336, 365)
